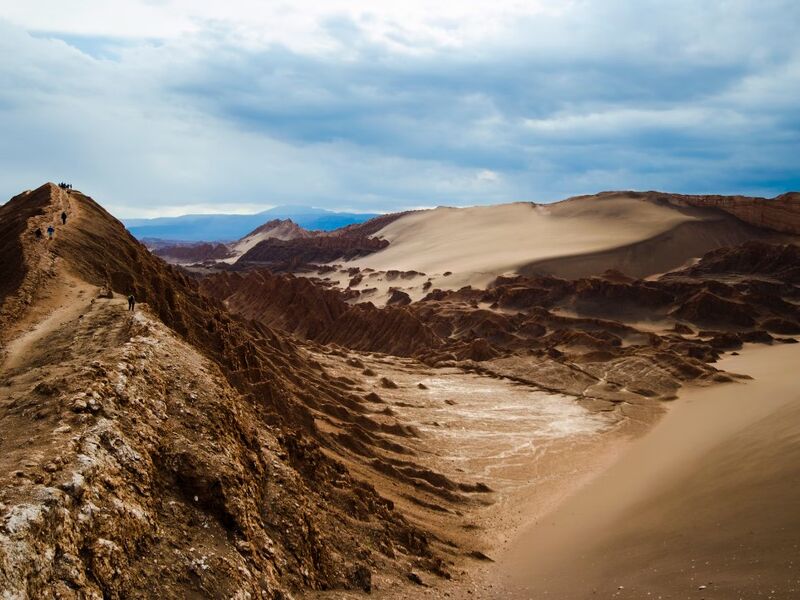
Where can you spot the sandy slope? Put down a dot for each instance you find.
(708, 498)
(479, 243)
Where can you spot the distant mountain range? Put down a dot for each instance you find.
(224, 227)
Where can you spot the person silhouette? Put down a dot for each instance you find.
(64, 218)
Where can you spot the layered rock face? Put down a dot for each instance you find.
(174, 451)
(193, 252)
(297, 305)
(20, 217)
(319, 249)
(781, 213)
(781, 262)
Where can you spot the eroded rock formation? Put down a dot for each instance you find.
(556, 323)
(173, 451)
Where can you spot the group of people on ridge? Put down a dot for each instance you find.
(65, 186)
(50, 229)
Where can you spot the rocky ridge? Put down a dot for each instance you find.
(176, 452)
(283, 243)
(233, 438)
(778, 214)
(200, 252)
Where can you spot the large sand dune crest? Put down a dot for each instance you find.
(577, 237)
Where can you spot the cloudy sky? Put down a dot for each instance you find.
(161, 107)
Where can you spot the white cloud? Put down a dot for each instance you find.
(488, 176)
(154, 105)
(297, 24)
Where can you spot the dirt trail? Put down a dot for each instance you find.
(65, 301)
(56, 337)
(60, 296)
(41, 359)
(45, 281)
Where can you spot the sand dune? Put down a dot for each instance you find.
(705, 503)
(576, 237)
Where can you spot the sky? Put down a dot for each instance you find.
(165, 107)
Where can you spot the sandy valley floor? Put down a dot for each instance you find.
(702, 506)
(604, 505)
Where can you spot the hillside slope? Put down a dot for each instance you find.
(172, 452)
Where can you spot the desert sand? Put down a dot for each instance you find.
(702, 506)
(477, 244)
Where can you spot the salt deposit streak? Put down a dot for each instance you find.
(496, 428)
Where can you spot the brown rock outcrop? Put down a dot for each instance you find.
(398, 298)
(781, 213)
(781, 261)
(300, 307)
(188, 463)
(283, 229)
(321, 246)
(193, 252)
(705, 307)
(319, 249)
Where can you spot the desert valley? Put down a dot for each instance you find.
(591, 398)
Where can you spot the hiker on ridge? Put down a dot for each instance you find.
(38, 233)
(64, 218)
(50, 231)
(131, 302)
